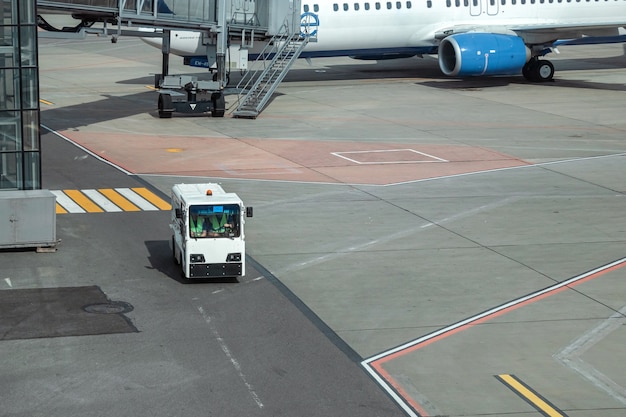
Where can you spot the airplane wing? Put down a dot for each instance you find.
(545, 34)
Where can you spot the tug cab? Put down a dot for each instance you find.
(208, 238)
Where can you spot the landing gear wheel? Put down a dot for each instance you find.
(165, 106)
(538, 70)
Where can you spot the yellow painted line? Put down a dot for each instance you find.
(60, 210)
(80, 199)
(153, 198)
(530, 396)
(118, 199)
(49, 103)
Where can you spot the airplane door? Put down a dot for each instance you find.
(478, 7)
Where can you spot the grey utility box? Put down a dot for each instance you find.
(27, 219)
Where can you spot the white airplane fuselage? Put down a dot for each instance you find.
(460, 31)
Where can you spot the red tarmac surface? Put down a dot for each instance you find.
(290, 160)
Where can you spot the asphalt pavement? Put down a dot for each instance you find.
(456, 245)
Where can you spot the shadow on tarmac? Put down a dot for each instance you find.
(106, 109)
(160, 258)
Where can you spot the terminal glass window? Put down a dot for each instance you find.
(214, 221)
(20, 165)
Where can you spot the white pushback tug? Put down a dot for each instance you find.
(208, 226)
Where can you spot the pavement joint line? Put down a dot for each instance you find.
(403, 233)
(531, 396)
(374, 364)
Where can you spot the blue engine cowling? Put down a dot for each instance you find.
(470, 54)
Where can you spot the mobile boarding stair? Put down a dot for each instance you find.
(227, 26)
(284, 48)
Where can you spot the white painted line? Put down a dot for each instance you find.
(230, 356)
(67, 203)
(570, 356)
(8, 281)
(98, 157)
(403, 402)
(102, 201)
(494, 310)
(136, 199)
(342, 155)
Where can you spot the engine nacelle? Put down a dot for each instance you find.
(473, 53)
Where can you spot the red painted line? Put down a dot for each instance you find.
(375, 363)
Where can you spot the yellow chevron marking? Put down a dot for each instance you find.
(80, 199)
(118, 199)
(153, 198)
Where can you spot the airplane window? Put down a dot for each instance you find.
(366, 6)
(389, 5)
(457, 3)
(356, 6)
(316, 8)
(377, 6)
(345, 7)
(448, 3)
(305, 8)
(429, 4)
(408, 4)
(398, 5)
(335, 7)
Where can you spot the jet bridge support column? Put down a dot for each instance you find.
(165, 60)
(165, 49)
(222, 43)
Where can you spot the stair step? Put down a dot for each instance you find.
(287, 48)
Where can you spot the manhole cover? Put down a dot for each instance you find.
(113, 307)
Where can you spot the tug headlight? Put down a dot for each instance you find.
(234, 257)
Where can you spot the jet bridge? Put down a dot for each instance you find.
(228, 26)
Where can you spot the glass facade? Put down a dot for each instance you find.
(20, 160)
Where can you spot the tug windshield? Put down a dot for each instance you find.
(214, 221)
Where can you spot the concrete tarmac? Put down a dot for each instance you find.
(464, 237)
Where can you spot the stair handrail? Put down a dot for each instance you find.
(259, 64)
(267, 85)
(282, 48)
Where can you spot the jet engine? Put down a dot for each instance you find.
(474, 53)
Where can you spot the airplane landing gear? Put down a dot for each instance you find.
(538, 70)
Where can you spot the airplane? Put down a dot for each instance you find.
(470, 37)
